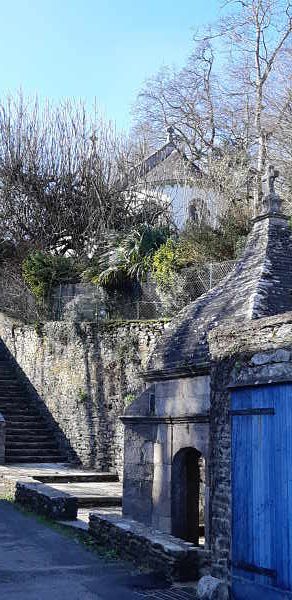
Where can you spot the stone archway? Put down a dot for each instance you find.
(185, 494)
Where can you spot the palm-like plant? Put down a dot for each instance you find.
(127, 258)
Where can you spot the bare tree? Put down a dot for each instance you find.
(64, 177)
(184, 100)
(258, 36)
(231, 96)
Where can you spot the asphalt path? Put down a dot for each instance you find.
(39, 563)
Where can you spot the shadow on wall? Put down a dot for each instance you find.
(101, 429)
(107, 370)
(57, 433)
(82, 375)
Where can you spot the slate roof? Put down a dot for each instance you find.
(259, 285)
(167, 166)
(173, 170)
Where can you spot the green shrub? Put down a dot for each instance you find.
(164, 263)
(129, 399)
(171, 257)
(42, 271)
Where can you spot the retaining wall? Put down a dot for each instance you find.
(84, 374)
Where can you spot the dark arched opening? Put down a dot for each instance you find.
(186, 495)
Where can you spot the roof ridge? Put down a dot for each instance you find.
(267, 277)
(255, 297)
(149, 163)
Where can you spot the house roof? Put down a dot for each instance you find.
(167, 166)
(174, 169)
(259, 285)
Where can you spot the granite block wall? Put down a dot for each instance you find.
(178, 419)
(84, 374)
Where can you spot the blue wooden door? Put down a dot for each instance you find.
(262, 492)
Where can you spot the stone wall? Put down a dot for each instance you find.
(149, 548)
(259, 352)
(85, 374)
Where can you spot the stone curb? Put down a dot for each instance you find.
(41, 498)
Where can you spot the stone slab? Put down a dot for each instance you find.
(90, 489)
(82, 521)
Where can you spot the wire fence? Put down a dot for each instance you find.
(86, 302)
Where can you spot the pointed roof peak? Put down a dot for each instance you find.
(271, 201)
(259, 285)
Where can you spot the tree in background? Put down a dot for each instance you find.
(68, 184)
(228, 104)
(66, 178)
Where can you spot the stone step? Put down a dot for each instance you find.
(15, 406)
(18, 427)
(30, 451)
(90, 494)
(20, 413)
(22, 419)
(43, 444)
(16, 401)
(6, 390)
(14, 397)
(28, 436)
(22, 436)
(7, 372)
(97, 501)
(9, 379)
(102, 477)
(9, 376)
(36, 459)
(24, 424)
(12, 391)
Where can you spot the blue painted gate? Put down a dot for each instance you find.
(262, 492)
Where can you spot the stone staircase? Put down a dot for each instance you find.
(28, 436)
(32, 455)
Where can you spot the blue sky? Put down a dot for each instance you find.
(89, 49)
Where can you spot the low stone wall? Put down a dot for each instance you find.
(42, 499)
(46, 501)
(176, 559)
(2, 439)
(84, 374)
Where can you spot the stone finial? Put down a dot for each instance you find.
(271, 201)
(170, 134)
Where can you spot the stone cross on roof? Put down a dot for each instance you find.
(271, 200)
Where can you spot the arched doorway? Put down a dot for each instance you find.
(187, 488)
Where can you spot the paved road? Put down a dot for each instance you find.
(38, 563)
